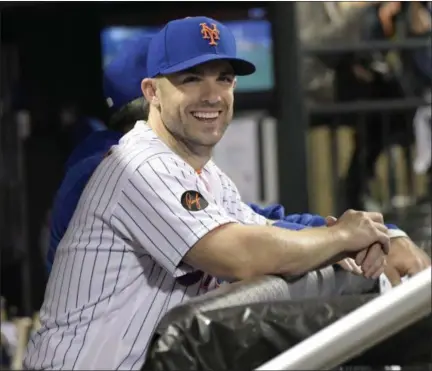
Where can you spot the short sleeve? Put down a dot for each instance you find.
(234, 205)
(248, 216)
(162, 211)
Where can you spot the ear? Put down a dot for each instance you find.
(149, 89)
(235, 83)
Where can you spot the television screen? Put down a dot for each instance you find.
(254, 43)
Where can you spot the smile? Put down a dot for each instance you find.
(206, 115)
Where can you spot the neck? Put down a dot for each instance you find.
(195, 157)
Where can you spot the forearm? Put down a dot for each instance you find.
(238, 251)
(272, 250)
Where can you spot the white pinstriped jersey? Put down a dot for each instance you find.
(116, 270)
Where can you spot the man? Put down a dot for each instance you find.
(122, 79)
(157, 213)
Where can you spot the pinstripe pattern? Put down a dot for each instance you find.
(114, 274)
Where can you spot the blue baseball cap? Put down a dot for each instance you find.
(188, 42)
(122, 77)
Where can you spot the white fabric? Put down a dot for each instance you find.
(396, 233)
(423, 138)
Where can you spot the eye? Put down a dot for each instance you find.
(227, 78)
(189, 79)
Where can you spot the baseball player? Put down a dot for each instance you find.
(158, 219)
(122, 80)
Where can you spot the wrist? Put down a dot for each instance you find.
(340, 238)
(396, 233)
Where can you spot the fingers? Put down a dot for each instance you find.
(353, 267)
(360, 257)
(382, 236)
(381, 227)
(420, 263)
(377, 269)
(330, 221)
(376, 217)
(393, 275)
(374, 263)
(349, 265)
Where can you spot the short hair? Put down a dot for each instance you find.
(124, 118)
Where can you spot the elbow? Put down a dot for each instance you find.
(242, 266)
(238, 269)
(244, 273)
(250, 270)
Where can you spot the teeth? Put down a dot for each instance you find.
(206, 115)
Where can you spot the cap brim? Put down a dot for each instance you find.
(241, 66)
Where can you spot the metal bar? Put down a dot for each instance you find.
(367, 106)
(290, 113)
(370, 46)
(390, 154)
(334, 157)
(408, 157)
(363, 148)
(361, 329)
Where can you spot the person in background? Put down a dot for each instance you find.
(122, 91)
(76, 126)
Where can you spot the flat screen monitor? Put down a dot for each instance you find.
(254, 43)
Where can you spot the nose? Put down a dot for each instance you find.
(210, 92)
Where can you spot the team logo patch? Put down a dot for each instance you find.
(193, 201)
(210, 33)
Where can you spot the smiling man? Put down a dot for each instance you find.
(158, 219)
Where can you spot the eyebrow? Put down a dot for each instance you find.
(199, 72)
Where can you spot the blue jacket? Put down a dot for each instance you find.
(80, 166)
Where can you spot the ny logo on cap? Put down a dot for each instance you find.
(209, 33)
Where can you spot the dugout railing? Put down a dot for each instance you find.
(361, 329)
(322, 320)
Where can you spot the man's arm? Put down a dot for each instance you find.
(165, 211)
(241, 251)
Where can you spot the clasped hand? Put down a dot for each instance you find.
(368, 240)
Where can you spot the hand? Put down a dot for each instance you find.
(349, 265)
(361, 230)
(370, 261)
(405, 259)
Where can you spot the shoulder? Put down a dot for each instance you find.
(216, 172)
(146, 150)
(138, 147)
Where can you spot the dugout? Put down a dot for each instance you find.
(51, 54)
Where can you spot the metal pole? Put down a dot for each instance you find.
(367, 46)
(361, 329)
(290, 111)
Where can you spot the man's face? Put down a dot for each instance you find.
(196, 105)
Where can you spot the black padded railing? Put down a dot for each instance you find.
(321, 284)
